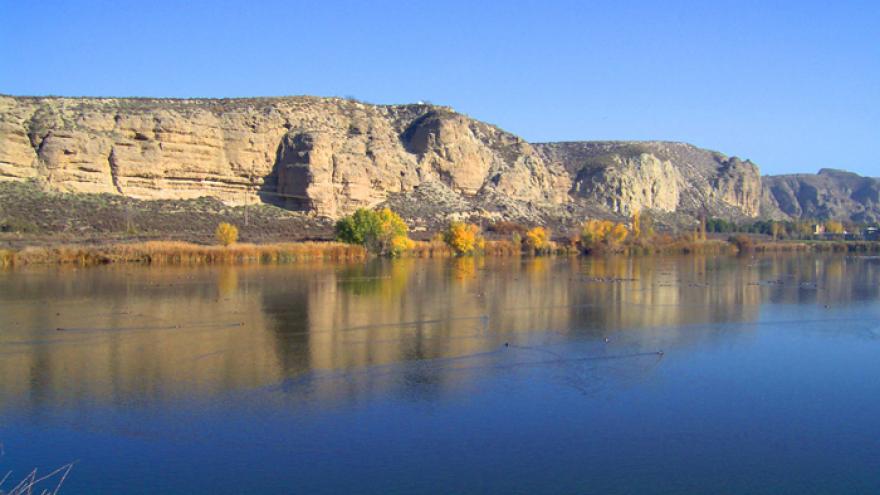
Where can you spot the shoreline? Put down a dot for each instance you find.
(191, 253)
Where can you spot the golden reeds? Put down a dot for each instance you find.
(173, 252)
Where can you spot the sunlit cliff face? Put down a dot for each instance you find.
(128, 334)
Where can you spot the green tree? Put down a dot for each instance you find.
(381, 232)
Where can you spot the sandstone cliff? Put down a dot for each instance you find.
(326, 155)
(664, 176)
(329, 156)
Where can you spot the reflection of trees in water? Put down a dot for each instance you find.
(655, 299)
(383, 313)
(821, 279)
(287, 309)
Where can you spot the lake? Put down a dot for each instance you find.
(551, 375)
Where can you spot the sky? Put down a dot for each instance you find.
(793, 86)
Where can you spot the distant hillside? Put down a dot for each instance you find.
(828, 194)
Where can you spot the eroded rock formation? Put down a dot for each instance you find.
(330, 156)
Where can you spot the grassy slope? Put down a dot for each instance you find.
(29, 215)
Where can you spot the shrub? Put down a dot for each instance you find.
(377, 230)
(538, 239)
(742, 242)
(516, 240)
(595, 231)
(463, 238)
(19, 226)
(399, 245)
(834, 227)
(226, 234)
(504, 227)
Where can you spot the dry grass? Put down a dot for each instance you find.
(185, 253)
(439, 249)
(818, 247)
(665, 245)
(502, 248)
(428, 249)
(6, 257)
(49, 484)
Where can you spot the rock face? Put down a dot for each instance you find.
(330, 156)
(829, 194)
(325, 155)
(669, 177)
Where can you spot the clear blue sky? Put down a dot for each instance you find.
(794, 86)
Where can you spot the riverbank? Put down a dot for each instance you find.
(189, 253)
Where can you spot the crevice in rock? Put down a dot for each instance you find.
(114, 170)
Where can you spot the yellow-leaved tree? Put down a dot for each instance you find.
(636, 224)
(538, 240)
(618, 234)
(226, 233)
(463, 238)
(834, 227)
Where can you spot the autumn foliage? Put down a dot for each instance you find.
(463, 238)
(538, 240)
(381, 232)
(226, 234)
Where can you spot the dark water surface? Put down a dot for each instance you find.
(394, 377)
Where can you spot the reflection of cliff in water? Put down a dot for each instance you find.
(135, 334)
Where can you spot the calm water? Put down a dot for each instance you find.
(394, 377)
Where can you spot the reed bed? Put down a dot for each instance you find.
(428, 249)
(818, 247)
(6, 257)
(671, 247)
(185, 253)
(502, 248)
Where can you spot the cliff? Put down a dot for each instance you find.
(669, 177)
(329, 156)
(828, 194)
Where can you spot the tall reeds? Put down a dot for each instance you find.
(184, 253)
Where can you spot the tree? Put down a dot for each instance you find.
(382, 232)
(776, 229)
(538, 239)
(463, 238)
(636, 224)
(618, 234)
(646, 225)
(226, 233)
(595, 231)
(834, 227)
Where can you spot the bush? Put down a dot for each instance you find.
(538, 240)
(379, 231)
(599, 234)
(834, 227)
(463, 238)
(226, 234)
(18, 226)
(503, 227)
(742, 242)
(399, 245)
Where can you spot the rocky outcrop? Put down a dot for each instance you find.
(329, 156)
(830, 194)
(326, 155)
(664, 176)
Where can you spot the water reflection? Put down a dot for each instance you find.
(129, 334)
